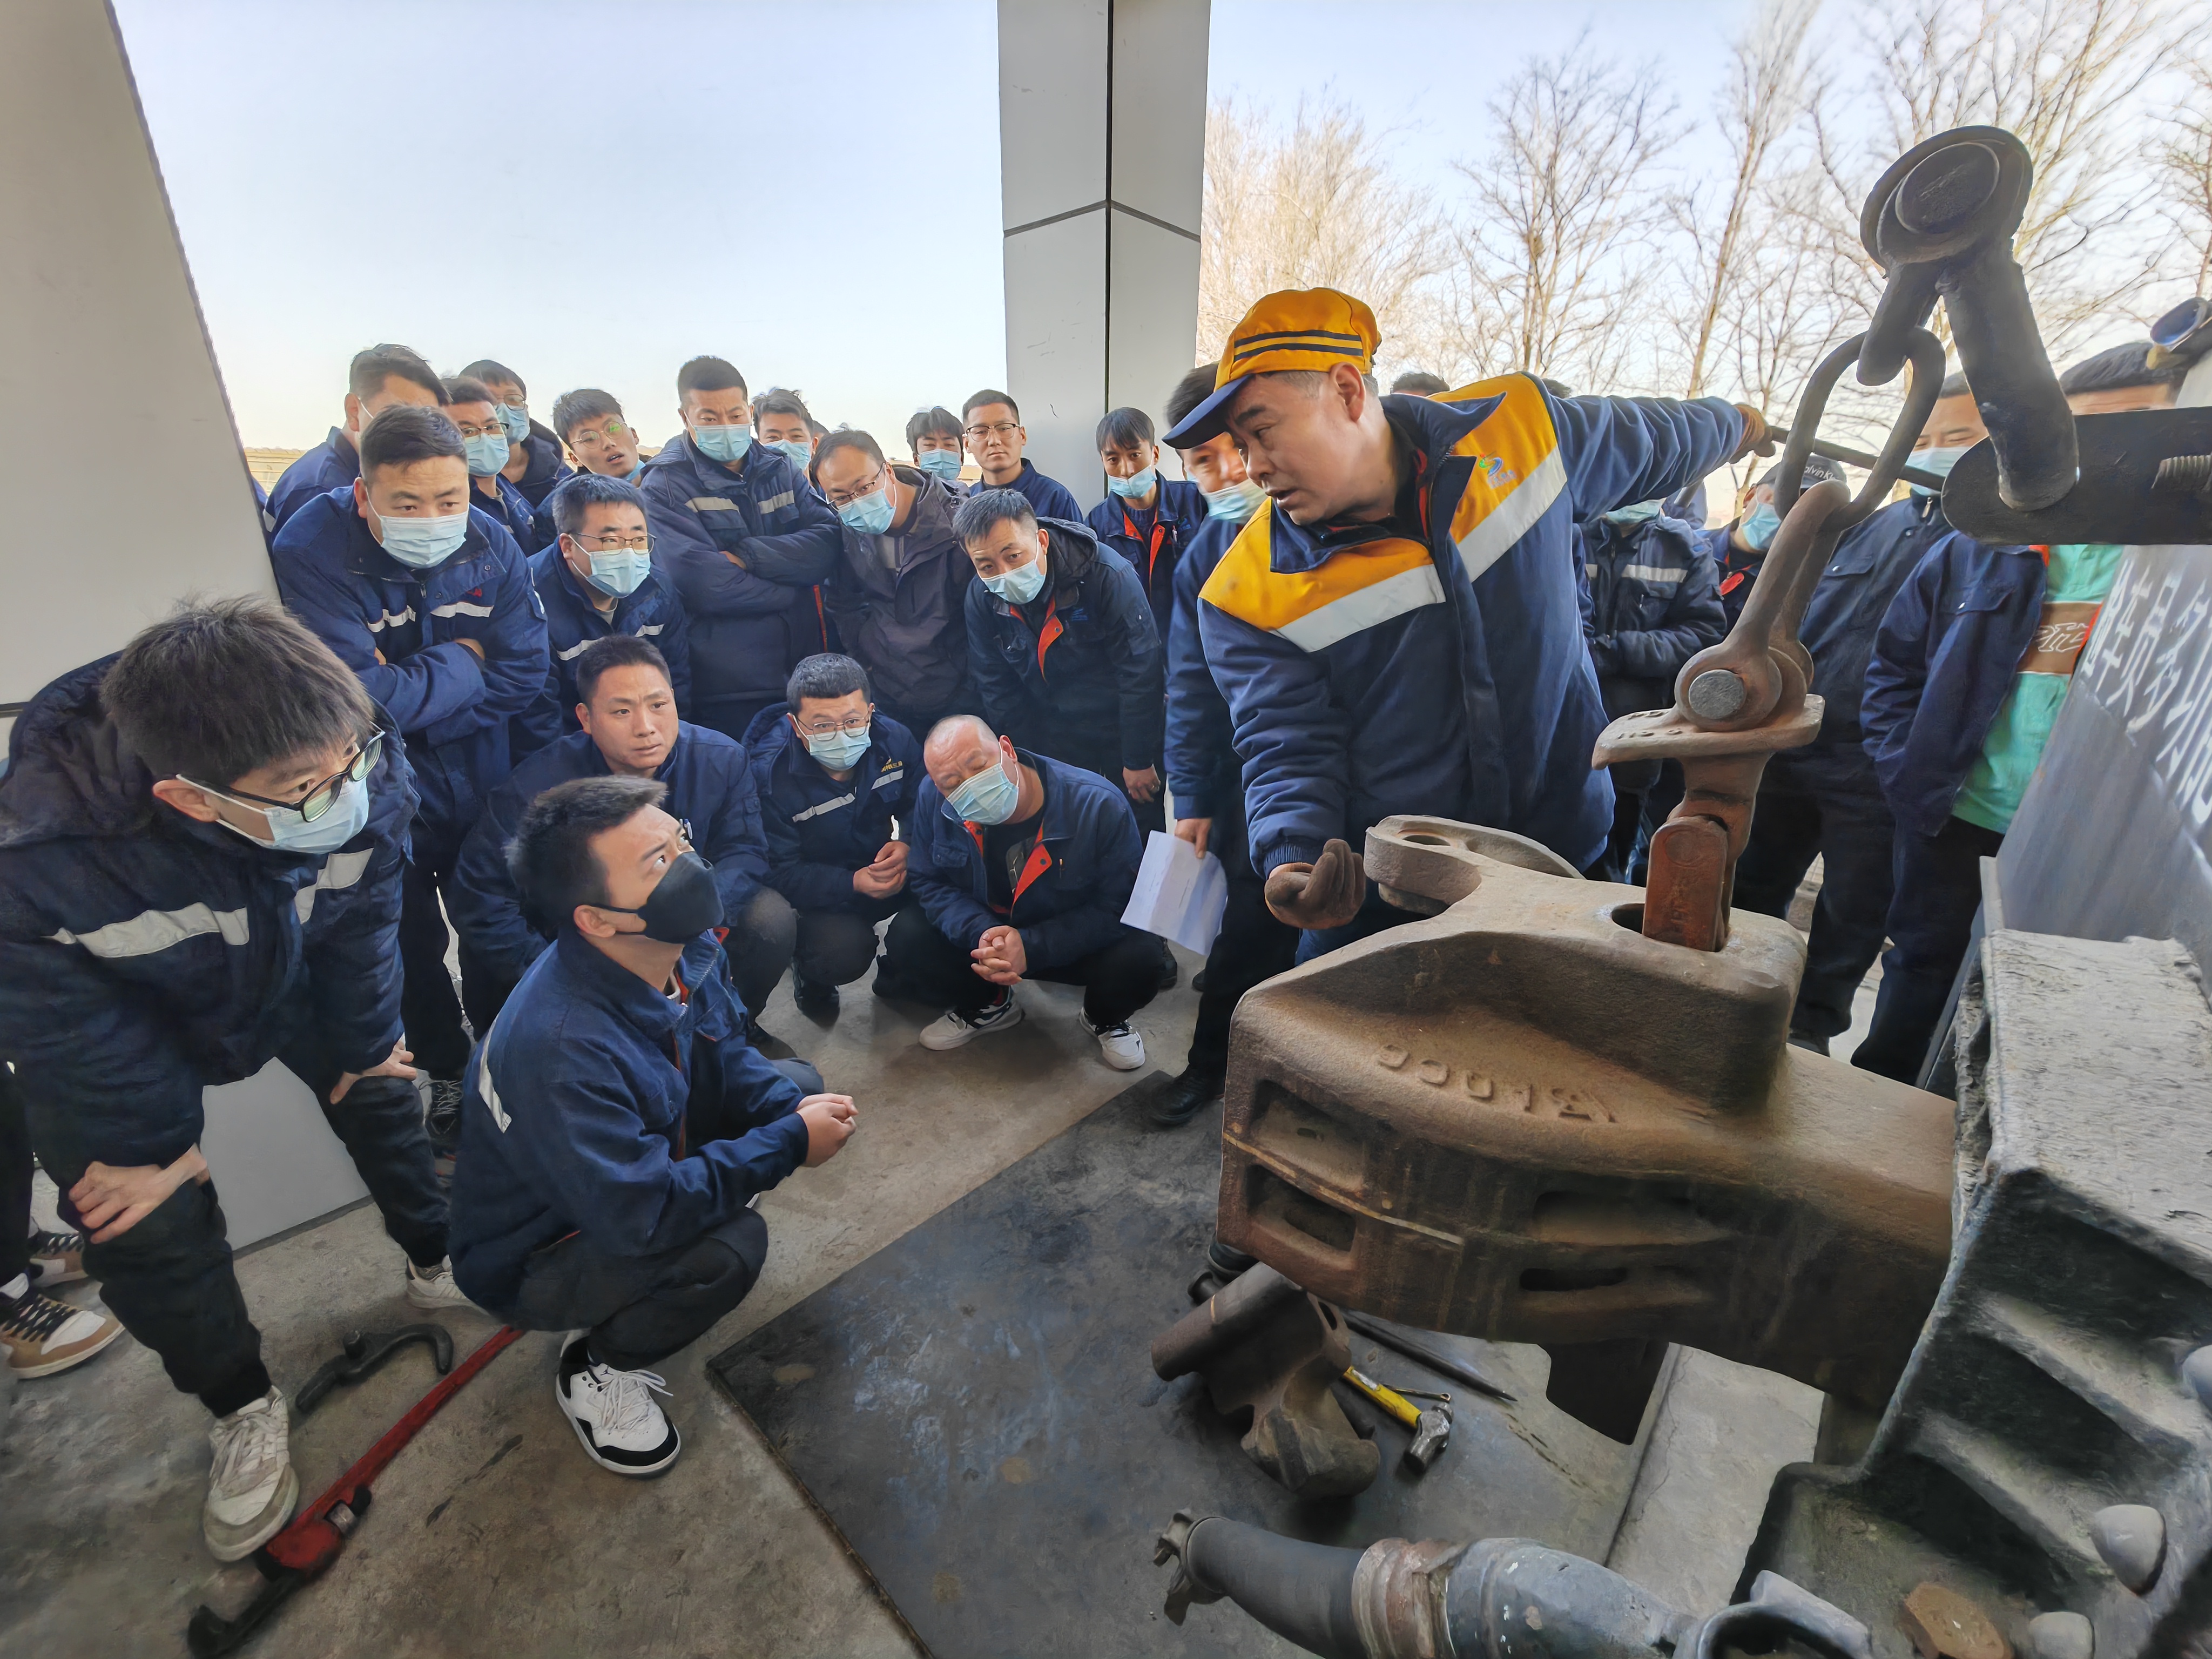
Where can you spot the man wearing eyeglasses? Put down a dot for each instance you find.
(201, 845)
(598, 578)
(899, 594)
(430, 602)
(534, 466)
(480, 418)
(747, 542)
(996, 439)
(591, 423)
(834, 771)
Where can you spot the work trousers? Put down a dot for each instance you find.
(1116, 980)
(169, 1279)
(1938, 891)
(640, 1309)
(14, 1179)
(1823, 800)
(428, 1007)
(761, 940)
(1632, 784)
(1099, 752)
(1251, 946)
(836, 947)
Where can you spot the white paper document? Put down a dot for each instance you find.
(1179, 896)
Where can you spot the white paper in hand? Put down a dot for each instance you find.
(1179, 896)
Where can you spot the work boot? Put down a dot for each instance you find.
(613, 1412)
(43, 1334)
(252, 1487)
(442, 1122)
(1198, 982)
(1171, 970)
(812, 998)
(1189, 1095)
(435, 1287)
(1819, 1045)
(954, 1030)
(56, 1258)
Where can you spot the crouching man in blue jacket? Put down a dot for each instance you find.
(618, 1128)
(1023, 866)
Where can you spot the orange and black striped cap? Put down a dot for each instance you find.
(1293, 328)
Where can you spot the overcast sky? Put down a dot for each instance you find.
(592, 192)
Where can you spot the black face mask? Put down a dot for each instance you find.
(685, 904)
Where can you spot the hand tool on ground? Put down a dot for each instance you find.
(1415, 1347)
(319, 1533)
(364, 1353)
(1432, 1428)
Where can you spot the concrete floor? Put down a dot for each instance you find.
(493, 1534)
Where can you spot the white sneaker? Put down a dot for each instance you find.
(950, 1029)
(252, 1487)
(41, 1334)
(614, 1413)
(436, 1288)
(1120, 1046)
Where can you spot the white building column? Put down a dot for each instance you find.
(1102, 145)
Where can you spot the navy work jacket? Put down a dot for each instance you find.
(546, 468)
(1152, 549)
(1201, 749)
(512, 510)
(710, 789)
(1069, 899)
(653, 612)
(1083, 657)
(145, 956)
(330, 464)
(1948, 653)
(746, 546)
(1653, 602)
(452, 708)
(575, 1117)
(820, 830)
(1049, 498)
(1434, 662)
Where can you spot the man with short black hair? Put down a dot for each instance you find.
(899, 593)
(782, 423)
(746, 540)
(534, 466)
(201, 842)
(938, 443)
(383, 377)
(591, 423)
(1062, 648)
(834, 772)
(1149, 520)
(626, 707)
(993, 427)
(477, 415)
(430, 602)
(1023, 867)
(1418, 383)
(599, 578)
(2120, 379)
(619, 1127)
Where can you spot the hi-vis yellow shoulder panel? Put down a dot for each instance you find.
(1355, 589)
(1518, 471)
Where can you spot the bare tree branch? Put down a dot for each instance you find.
(2183, 155)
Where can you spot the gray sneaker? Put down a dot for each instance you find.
(252, 1487)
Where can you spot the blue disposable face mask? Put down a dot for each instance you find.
(942, 465)
(837, 750)
(487, 455)
(290, 833)
(1938, 461)
(989, 797)
(1759, 525)
(1134, 488)
(1019, 585)
(516, 421)
(726, 444)
(1238, 502)
(619, 571)
(1627, 518)
(799, 454)
(422, 543)
(871, 514)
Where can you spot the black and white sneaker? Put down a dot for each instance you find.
(442, 1122)
(952, 1028)
(613, 1412)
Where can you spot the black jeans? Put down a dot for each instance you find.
(761, 939)
(1251, 946)
(1931, 916)
(1116, 980)
(1823, 800)
(836, 947)
(14, 1179)
(428, 1007)
(640, 1309)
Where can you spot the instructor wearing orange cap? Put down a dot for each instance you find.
(1395, 629)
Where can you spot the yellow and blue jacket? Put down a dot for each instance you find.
(1369, 672)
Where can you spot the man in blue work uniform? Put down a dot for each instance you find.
(472, 409)
(899, 596)
(747, 541)
(591, 423)
(938, 443)
(630, 729)
(534, 466)
(383, 377)
(1062, 644)
(1651, 601)
(1023, 867)
(996, 438)
(834, 772)
(1146, 519)
(1398, 630)
(1204, 776)
(599, 578)
(618, 1128)
(430, 602)
(201, 841)
(1738, 548)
